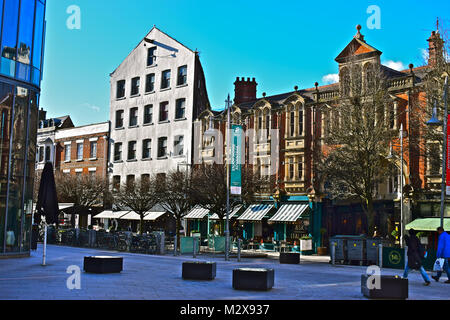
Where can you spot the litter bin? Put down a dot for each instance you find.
(356, 249)
(340, 252)
(372, 250)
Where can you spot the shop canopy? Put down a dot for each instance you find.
(153, 215)
(61, 206)
(108, 214)
(197, 213)
(256, 212)
(289, 212)
(232, 214)
(428, 224)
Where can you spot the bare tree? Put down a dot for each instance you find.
(174, 196)
(358, 139)
(209, 188)
(139, 196)
(84, 191)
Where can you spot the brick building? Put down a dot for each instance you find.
(83, 150)
(299, 121)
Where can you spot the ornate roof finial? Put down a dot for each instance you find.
(358, 33)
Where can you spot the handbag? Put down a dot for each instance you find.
(438, 264)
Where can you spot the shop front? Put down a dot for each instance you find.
(197, 222)
(255, 223)
(291, 222)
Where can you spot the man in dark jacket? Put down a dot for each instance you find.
(416, 253)
(443, 251)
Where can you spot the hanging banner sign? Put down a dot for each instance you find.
(236, 153)
(447, 182)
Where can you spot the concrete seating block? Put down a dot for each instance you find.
(103, 264)
(199, 270)
(391, 287)
(290, 257)
(253, 279)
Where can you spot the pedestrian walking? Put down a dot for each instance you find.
(443, 252)
(416, 253)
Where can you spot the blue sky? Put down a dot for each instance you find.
(281, 44)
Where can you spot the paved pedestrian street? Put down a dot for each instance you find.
(153, 277)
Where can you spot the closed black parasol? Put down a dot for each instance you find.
(47, 202)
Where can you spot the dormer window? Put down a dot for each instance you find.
(151, 57)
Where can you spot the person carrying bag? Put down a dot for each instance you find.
(443, 255)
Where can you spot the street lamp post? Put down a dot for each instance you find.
(434, 121)
(228, 153)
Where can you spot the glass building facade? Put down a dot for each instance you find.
(22, 33)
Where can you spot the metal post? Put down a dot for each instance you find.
(401, 186)
(333, 253)
(227, 230)
(175, 246)
(239, 249)
(194, 241)
(406, 257)
(444, 153)
(380, 255)
(45, 245)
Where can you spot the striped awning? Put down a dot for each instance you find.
(232, 214)
(108, 214)
(289, 212)
(256, 212)
(131, 215)
(153, 215)
(197, 213)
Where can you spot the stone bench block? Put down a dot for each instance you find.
(290, 257)
(103, 264)
(199, 270)
(391, 287)
(253, 279)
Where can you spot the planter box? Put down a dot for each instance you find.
(391, 287)
(199, 270)
(253, 279)
(103, 264)
(290, 257)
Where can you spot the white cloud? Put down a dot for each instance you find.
(396, 65)
(424, 54)
(91, 106)
(330, 78)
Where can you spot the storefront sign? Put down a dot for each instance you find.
(236, 153)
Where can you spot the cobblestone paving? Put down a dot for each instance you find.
(154, 277)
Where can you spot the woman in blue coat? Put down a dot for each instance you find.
(443, 251)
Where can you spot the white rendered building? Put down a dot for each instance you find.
(156, 93)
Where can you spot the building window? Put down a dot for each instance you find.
(150, 83)
(135, 83)
(300, 122)
(151, 58)
(392, 116)
(41, 154)
(267, 125)
(67, 152)
(180, 108)
(92, 174)
(130, 179)
(120, 89)
(300, 169)
(93, 150)
(119, 118)
(148, 114)
(164, 111)
(292, 127)
(291, 169)
(178, 145)
(133, 117)
(434, 159)
(147, 149)
(116, 183)
(47, 153)
(165, 79)
(131, 150)
(117, 151)
(162, 147)
(182, 75)
(80, 151)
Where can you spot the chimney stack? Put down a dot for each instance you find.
(244, 90)
(435, 48)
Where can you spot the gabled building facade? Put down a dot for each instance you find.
(156, 93)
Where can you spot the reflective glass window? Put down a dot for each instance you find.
(9, 37)
(38, 35)
(15, 214)
(25, 31)
(6, 104)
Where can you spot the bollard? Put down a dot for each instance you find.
(380, 255)
(405, 257)
(175, 246)
(239, 250)
(162, 247)
(194, 241)
(333, 253)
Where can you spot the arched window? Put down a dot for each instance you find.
(300, 121)
(369, 73)
(47, 153)
(357, 79)
(292, 124)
